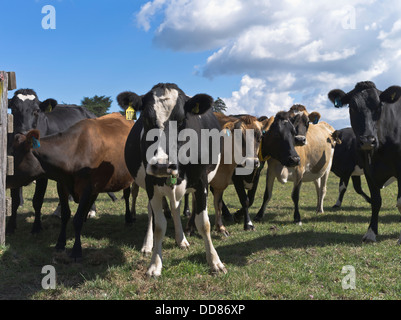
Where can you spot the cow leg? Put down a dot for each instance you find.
(186, 211)
(65, 214)
(267, 195)
(85, 202)
(295, 199)
(225, 212)
(112, 196)
(356, 181)
(399, 201)
(148, 241)
(376, 203)
(342, 188)
(190, 228)
(166, 208)
(218, 205)
(179, 232)
(37, 202)
(134, 194)
(15, 202)
(203, 225)
(128, 215)
(243, 197)
(155, 267)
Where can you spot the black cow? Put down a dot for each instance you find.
(164, 109)
(49, 118)
(347, 164)
(375, 120)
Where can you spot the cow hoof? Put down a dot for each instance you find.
(154, 271)
(336, 207)
(249, 227)
(218, 268)
(298, 223)
(184, 245)
(187, 213)
(223, 231)
(369, 237)
(146, 252)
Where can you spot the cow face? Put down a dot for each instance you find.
(278, 142)
(301, 119)
(250, 124)
(365, 103)
(27, 109)
(164, 109)
(26, 166)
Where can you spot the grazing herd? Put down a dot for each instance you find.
(179, 147)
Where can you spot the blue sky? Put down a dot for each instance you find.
(259, 56)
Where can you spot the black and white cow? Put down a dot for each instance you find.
(375, 121)
(347, 164)
(165, 111)
(49, 118)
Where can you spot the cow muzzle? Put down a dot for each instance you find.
(367, 143)
(162, 170)
(293, 161)
(300, 141)
(253, 163)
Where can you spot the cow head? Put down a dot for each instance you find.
(301, 120)
(365, 103)
(247, 123)
(164, 107)
(27, 109)
(26, 166)
(279, 141)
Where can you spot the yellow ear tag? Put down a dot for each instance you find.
(393, 96)
(49, 108)
(196, 108)
(130, 113)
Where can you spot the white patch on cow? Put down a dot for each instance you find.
(212, 174)
(282, 177)
(370, 236)
(165, 101)
(26, 97)
(342, 187)
(390, 181)
(357, 171)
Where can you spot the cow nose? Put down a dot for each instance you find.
(300, 140)
(294, 161)
(368, 142)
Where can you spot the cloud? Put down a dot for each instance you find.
(288, 51)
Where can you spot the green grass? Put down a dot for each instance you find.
(279, 260)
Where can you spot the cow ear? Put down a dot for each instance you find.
(48, 105)
(199, 104)
(391, 95)
(129, 99)
(266, 124)
(314, 117)
(32, 139)
(339, 98)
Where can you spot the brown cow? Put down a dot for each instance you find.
(85, 160)
(313, 163)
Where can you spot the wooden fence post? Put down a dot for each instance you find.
(7, 82)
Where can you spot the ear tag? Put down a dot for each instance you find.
(316, 121)
(196, 108)
(130, 113)
(338, 103)
(393, 96)
(171, 181)
(264, 131)
(35, 143)
(49, 108)
(228, 132)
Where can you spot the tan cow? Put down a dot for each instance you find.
(313, 164)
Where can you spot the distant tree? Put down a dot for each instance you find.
(99, 105)
(219, 106)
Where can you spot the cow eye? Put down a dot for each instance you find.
(36, 113)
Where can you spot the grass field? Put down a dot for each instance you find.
(279, 260)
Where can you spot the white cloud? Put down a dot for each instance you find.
(285, 51)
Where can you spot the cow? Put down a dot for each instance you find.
(288, 162)
(226, 174)
(48, 117)
(166, 111)
(85, 160)
(374, 116)
(347, 164)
